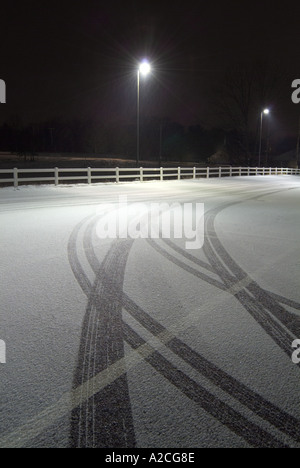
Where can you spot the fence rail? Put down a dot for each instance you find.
(89, 175)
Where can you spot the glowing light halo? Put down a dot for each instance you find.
(145, 67)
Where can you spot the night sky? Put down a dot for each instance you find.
(77, 59)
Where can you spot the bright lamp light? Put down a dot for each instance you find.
(145, 67)
(266, 111)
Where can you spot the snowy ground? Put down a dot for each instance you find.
(122, 343)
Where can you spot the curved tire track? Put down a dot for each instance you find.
(280, 299)
(252, 400)
(262, 307)
(265, 309)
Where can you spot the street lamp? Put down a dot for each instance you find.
(143, 70)
(264, 112)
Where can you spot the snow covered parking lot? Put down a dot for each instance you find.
(142, 343)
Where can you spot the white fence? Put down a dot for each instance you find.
(89, 175)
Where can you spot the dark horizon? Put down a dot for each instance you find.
(68, 60)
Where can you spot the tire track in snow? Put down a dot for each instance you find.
(268, 301)
(252, 400)
(233, 274)
(250, 432)
(278, 323)
(206, 266)
(104, 419)
(249, 398)
(276, 422)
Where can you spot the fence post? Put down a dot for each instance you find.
(141, 174)
(56, 176)
(263, 171)
(161, 174)
(220, 172)
(276, 170)
(117, 175)
(207, 172)
(270, 171)
(89, 175)
(248, 171)
(256, 171)
(179, 173)
(15, 178)
(230, 171)
(194, 172)
(240, 171)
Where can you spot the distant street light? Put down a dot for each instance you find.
(264, 112)
(143, 69)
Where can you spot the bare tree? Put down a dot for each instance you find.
(244, 92)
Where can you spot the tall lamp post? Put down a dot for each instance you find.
(143, 69)
(264, 112)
